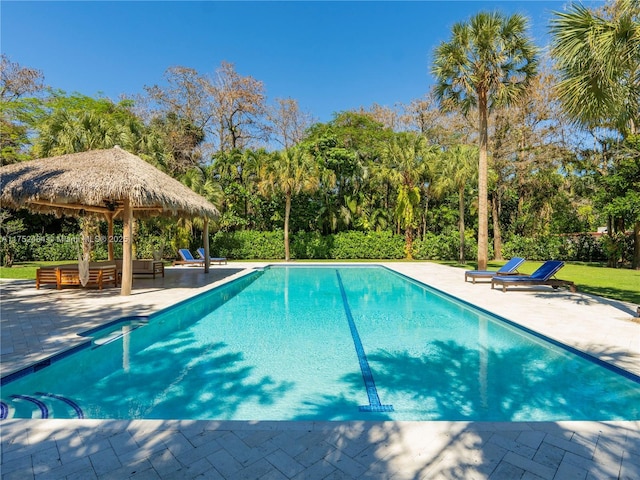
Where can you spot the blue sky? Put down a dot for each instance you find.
(329, 56)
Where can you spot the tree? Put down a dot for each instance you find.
(389, 117)
(78, 123)
(8, 228)
(176, 143)
(406, 157)
(180, 118)
(488, 62)
(230, 108)
(618, 195)
(458, 170)
(15, 111)
(17, 81)
(237, 172)
(530, 147)
(185, 95)
(199, 179)
(348, 149)
(440, 127)
(238, 107)
(290, 172)
(598, 58)
(288, 124)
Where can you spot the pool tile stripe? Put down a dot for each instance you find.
(372, 392)
(44, 411)
(42, 364)
(71, 403)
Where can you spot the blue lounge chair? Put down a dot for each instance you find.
(219, 260)
(542, 276)
(509, 268)
(187, 258)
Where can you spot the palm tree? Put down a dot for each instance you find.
(598, 58)
(290, 172)
(406, 159)
(78, 123)
(200, 180)
(458, 169)
(488, 62)
(66, 132)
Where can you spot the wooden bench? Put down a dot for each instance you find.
(100, 275)
(47, 276)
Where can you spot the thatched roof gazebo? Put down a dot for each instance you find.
(113, 183)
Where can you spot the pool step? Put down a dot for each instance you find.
(39, 405)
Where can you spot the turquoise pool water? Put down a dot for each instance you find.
(324, 343)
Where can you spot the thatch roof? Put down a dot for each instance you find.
(98, 181)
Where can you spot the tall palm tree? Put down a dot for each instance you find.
(406, 159)
(488, 62)
(290, 172)
(458, 169)
(598, 58)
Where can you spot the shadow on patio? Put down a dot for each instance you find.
(349, 450)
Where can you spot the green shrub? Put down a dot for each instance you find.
(617, 248)
(351, 245)
(248, 245)
(444, 246)
(147, 245)
(251, 245)
(311, 245)
(13, 249)
(355, 245)
(541, 248)
(587, 248)
(581, 247)
(54, 248)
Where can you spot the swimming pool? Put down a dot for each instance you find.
(324, 343)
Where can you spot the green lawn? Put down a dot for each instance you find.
(618, 284)
(615, 283)
(27, 270)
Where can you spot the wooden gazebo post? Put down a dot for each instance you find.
(205, 242)
(127, 241)
(109, 217)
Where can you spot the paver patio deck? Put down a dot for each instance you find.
(38, 323)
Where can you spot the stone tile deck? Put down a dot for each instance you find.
(36, 324)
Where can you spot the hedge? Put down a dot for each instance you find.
(248, 245)
(583, 247)
(444, 247)
(351, 245)
(252, 245)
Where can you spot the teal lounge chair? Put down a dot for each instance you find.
(187, 258)
(509, 268)
(220, 260)
(542, 276)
